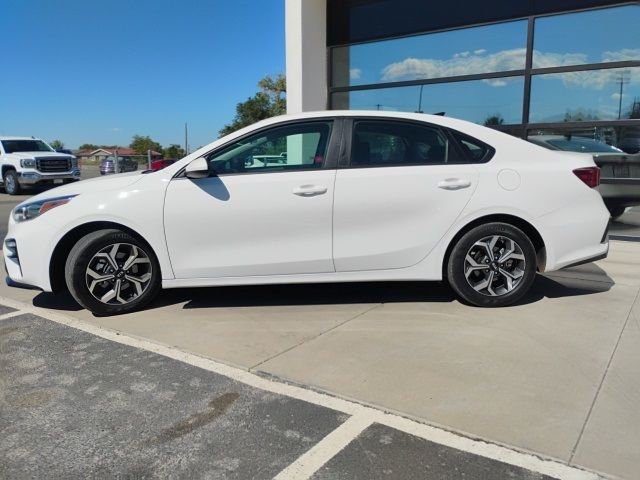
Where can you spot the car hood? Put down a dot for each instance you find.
(98, 184)
(24, 155)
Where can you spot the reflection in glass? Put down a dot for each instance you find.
(491, 102)
(492, 48)
(586, 96)
(606, 35)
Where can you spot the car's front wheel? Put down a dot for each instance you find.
(110, 272)
(492, 265)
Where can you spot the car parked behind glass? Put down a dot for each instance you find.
(125, 164)
(620, 183)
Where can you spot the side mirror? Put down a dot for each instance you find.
(199, 168)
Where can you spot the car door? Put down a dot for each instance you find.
(404, 186)
(265, 209)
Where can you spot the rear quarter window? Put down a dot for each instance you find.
(475, 150)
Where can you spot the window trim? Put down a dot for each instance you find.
(349, 133)
(330, 162)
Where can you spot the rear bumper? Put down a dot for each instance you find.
(576, 233)
(601, 256)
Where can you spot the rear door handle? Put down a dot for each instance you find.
(309, 190)
(454, 184)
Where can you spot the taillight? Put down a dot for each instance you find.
(589, 175)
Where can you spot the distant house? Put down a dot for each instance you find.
(96, 156)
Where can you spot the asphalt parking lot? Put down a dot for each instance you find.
(77, 405)
(556, 375)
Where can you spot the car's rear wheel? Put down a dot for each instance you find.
(492, 265)
(616, 211)
(110, 272)
(11, 183)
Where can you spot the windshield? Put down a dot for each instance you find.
(583, 145)
(11, 146)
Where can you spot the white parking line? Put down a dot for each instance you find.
(327, 448)
(10, 315)
(362, 416)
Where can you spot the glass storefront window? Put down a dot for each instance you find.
(585, 96)
(597, 36)
(487, 49)
(492, 102)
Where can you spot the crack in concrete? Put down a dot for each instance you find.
(604, 376)
(307, 340)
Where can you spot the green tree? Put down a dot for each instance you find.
(88, 146)
(57, 144)
(174, 151)
(493, 120)
(140, 145)
(268, 102)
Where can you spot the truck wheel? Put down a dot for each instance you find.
(11, 184)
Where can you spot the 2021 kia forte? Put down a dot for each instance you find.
(319, 197)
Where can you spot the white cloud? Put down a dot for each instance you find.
(467, 63)
(496, 82)
(115, 129)
(463, 63)
(620, 55)
(355, 74)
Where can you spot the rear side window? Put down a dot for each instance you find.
(475, 150)
(383, 143)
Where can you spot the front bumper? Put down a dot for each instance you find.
(37, 178)
(29, 267)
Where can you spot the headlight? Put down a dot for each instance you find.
(32, 210)
(28, 163)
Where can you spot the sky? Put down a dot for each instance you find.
(101, 71)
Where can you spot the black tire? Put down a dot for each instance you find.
(616, 211)
(11, 183)
(84, 252)
(492, 273)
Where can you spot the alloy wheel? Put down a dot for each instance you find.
(119, 274)
(10, 183)
(495, 265)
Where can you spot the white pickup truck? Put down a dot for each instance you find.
(28, 161)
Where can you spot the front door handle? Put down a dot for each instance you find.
(454, 184)
(309, 190)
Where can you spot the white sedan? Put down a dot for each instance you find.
(359, 196)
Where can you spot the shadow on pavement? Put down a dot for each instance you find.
(336, 293)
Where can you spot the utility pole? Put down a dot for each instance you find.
(622, 78)
(116, 162)
(149, 159)
(379, 106)
(186, 139)
(420, 101)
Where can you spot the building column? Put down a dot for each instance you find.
(306, 37)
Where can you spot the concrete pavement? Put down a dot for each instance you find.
(556, 375)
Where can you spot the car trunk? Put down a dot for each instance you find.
(618, 166)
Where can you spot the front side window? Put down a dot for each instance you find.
(287, 148)
(12, 146)
(380, 143)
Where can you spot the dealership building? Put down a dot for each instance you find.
(527, 67)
